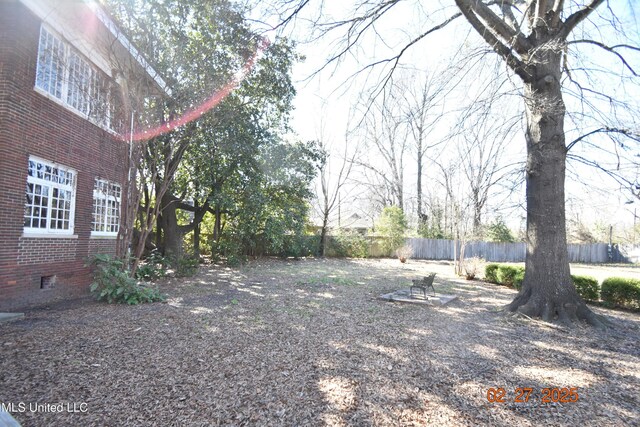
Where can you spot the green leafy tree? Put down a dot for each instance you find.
(498, 231)
(268, 211)
(392, 224)
(431, 226)
(231, 141)
(199, 48)
(219, 163)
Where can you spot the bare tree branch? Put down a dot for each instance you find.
(572, 21)
(625, 132)
(611, 49)
(469, 10)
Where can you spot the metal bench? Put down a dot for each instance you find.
(424, 284)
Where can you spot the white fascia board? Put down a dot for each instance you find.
(48, 13)
(124, 41)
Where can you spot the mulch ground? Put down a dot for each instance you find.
(308, 343)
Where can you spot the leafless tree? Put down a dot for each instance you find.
(423, 106)
(385, 130)
(457, 206)
(537, 40)
(480, 146)
(332, 186)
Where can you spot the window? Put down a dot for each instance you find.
(64, 74)
(50, 198)
(51, 58)
(100, 107)
(79, 81)
(106, 208)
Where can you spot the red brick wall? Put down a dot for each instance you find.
(39, 251)
(31, 124)
(102, 246)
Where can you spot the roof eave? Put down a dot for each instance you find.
(115, 30)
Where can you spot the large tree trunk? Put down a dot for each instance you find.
(196, 241)
(216, 223)
(171, 231)
(547, 290)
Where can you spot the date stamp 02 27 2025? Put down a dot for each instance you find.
(524, 394)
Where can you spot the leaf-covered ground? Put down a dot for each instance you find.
(308, 343)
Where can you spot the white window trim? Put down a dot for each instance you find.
(68, 48)
(95, 235)
(41, 235)
(49, 232)
(99, 194)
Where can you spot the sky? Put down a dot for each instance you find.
(324, 104)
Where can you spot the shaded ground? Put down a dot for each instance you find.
(307, 343)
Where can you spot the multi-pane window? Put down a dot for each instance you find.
(50, 198)
(106, 207)
(63, 73)
(100, 107)
(79, 82)
(51, 59)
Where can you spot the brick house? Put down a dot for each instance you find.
(65, 71)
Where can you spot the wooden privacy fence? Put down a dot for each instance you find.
(498, 252)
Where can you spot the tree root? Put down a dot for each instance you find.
(543, 323)
(520, 299)
(595, 320)
(565, 313)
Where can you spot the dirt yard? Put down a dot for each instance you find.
(307, 342)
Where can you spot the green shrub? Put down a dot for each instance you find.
(349, 244)
(518, 278)
(508, 274)
(153, 267)
(491, 273)
(298, 246)
(392, 224)
(231, 249)
(236, 260)
(503, 274)
(186, 266)
(620, 291)
(113, 284)
(586, 286)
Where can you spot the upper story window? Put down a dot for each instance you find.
(65, 75)
(50, 198)
(78, 95)
(106, 208)
(51, 59)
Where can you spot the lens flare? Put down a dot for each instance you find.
(208, 104)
